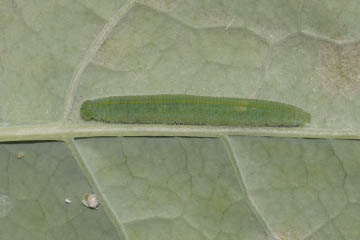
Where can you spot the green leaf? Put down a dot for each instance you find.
(158, 182)
(33, 191)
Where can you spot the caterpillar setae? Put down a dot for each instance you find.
(193, 110)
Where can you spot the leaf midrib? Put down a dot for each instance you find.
(60, 131)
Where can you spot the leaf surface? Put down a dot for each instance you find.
(179, 182)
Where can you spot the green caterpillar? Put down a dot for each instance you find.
(193, 110)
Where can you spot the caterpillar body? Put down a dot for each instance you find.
(193, 110)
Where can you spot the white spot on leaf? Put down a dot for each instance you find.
(90, 201)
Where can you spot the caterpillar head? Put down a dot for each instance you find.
(87, 111)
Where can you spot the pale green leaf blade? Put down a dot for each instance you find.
(171, 188)
(56, 54)
(36, 178)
